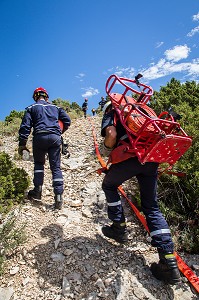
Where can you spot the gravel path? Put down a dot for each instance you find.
(65, 255)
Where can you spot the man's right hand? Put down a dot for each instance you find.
(105, 151)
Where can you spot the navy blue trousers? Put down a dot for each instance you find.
(147, 179)
(43, 144)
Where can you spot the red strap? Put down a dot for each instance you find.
(188, 273)
(102, 170)
(120, 153)
(115, 119)
(169, 171)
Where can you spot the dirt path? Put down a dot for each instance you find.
(65, 255)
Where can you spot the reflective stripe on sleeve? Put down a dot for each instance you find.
(38, 171)
(160, 231)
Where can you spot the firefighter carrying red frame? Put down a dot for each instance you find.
(152, 138)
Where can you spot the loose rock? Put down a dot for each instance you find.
(66, 255)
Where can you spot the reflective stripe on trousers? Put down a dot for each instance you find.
(42, 144)
(147, 179)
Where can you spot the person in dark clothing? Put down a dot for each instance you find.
(93, 111)
(146, 174)
(44, 118)
(102, 103)
(85, 107)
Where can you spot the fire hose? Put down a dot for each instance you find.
(183, 267)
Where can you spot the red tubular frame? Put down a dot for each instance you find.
(121, 80)
(148, 139)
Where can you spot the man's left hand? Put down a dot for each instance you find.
(21, 148)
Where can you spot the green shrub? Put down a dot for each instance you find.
(178, 196)
(11, 236)
(73, 109)
(8, 129)
(13, 183)
(14, 115)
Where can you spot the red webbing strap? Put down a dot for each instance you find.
(186, 271)
(179, 174)
(134, 208)
(103, 164)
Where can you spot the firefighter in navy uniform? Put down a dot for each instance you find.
(85, 107)
(102, 103)
(146, 174)
(43, 117)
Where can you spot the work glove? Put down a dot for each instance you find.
(21, 149)
(105, 151)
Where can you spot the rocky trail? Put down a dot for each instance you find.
(65, 255)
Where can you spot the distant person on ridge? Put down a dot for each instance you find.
(85, 107)
(93, 111)
(102, 103)
(43, 117)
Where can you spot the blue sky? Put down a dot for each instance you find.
(71, 47)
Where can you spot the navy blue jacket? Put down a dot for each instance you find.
(102, 102)
(84, 106)
(42, 116)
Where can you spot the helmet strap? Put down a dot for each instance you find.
(39, 95)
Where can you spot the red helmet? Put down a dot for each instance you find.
(40, 92)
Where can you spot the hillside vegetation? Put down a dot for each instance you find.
(178, 196)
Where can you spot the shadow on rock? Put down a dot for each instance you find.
(91, 268)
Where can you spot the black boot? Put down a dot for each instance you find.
(167, 269)
(116, 231)
(58, 201)
(35, 194)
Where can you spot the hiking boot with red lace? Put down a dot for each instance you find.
(35, 194)
(117, 231)
(167, 269)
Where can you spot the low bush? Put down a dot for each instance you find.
(10, 129)
(13, 183)
(11, 236)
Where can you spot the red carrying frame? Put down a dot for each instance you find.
(152, 138)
